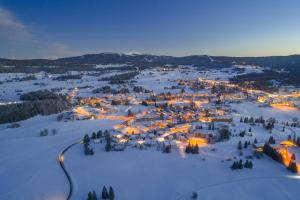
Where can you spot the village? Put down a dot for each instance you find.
(194, 114)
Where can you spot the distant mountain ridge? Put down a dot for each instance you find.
(287, 62)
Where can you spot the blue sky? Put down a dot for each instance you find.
(58, 28)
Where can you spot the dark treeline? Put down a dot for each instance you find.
(67, 77)
(40, 95)
(275, 155)
(120, 78)
(35, 103)
(263, 81)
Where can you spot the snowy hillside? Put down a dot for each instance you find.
(165, 132)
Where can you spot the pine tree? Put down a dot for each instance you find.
(168, 149)
(234, 165)
(104, 193)
(86, 138)
(241, 120)
(111, 193)
(130, 113)
(91, 151)
(194, 195)
(245, 144)
(293, 167)
(90, 196)
(108, 147)
(250, 130)
(99, 134)
(271, 140)
(196, 149)
(240, 145)
(298, 141)
(250, 165)
(240, 164)
(293, 157)
(209, 127)
(86, 150)
(94, 195)
(294, 138)
(246, 165)
(188, 149)
(251, 120)
(255, 141)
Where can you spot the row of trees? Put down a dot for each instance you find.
(275, 155)
(240, 165)
(105, 90)
(41, 95)
(95, 135)
(271, 152)
(267, 124)
(45, 132)
(20, 111)
(252, 120)
(167, 148)
(88, 150)
(295, 140)
(295, 123)
(120, 78)
(246, 144)
(193, 149)
(110, 194)
(67, 77)
(140, 89)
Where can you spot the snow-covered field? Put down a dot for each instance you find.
(29, 167)
(149, 174)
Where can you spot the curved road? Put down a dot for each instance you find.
(61, 162)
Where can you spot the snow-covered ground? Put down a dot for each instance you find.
(149, 174)
(254, 110)
(29, 167)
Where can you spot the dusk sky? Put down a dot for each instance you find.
(59, 28)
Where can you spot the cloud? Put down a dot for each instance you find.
(11, 28)
(18, 41)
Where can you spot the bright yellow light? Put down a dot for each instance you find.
(161, 139)
(286, 106)
(288, 143)
(140, 142)
(262, 99)
(123, 140)
(119, 136)
(61, 158)
(197, 141)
